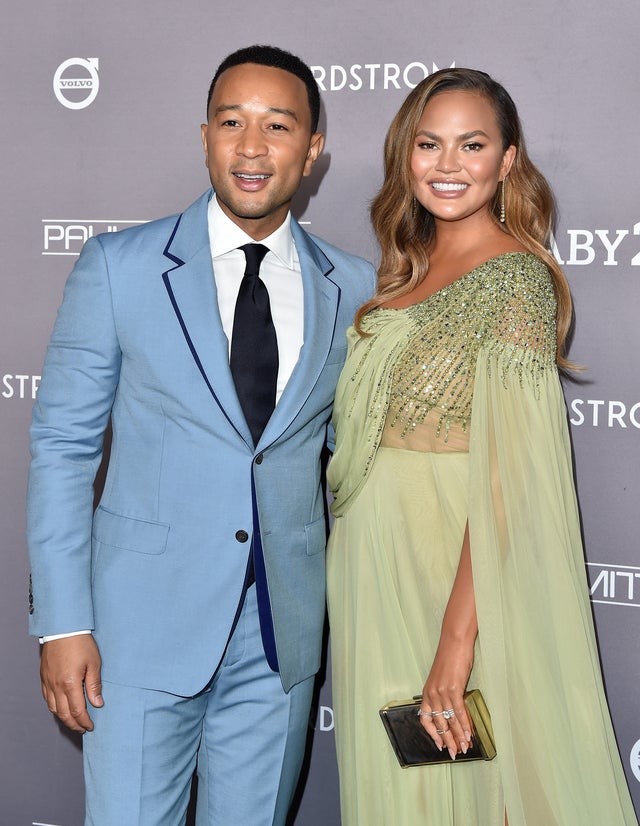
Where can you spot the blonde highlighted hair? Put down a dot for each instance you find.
(405, 230)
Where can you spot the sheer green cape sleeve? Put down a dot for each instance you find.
(558, 756)
(361, 400)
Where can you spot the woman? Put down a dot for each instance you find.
(455, 554)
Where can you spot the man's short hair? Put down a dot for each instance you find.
(278, 59)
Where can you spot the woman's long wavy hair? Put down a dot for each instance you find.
(405, 230)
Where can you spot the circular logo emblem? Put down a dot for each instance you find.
(76, 82)
(635, 760)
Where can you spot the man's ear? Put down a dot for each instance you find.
(316, 145)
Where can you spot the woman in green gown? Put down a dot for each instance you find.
(455, 559)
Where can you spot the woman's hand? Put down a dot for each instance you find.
(443, 713)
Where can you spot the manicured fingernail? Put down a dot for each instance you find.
(452, 753)
(438, 746)
(467, 734)
(464, 747)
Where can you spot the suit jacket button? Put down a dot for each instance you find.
(259, 458)
(242, 536)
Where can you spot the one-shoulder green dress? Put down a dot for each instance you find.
(450, 412)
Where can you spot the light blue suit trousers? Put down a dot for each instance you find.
(245, 736)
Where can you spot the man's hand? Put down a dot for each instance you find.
(69, 668)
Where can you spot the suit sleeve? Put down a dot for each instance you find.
(78, 387)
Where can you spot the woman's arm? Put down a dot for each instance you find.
(452, 664)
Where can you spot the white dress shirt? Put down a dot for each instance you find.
(280, 271)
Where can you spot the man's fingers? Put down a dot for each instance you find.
(93, 685)
(78, 715)
(50, 699)
(72, 708)
(68, 667)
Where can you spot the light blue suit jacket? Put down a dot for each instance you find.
(158, 570)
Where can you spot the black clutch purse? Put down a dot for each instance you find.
(414, 747)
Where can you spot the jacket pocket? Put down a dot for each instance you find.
(128, 533)
(316, 536)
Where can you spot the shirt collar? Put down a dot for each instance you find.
(225, 236)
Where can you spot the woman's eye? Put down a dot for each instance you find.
(473, 147)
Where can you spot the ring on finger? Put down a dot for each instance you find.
(442, 731)
(448, 713)
(422, 713)
(436, 713)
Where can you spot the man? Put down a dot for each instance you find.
(189, 609)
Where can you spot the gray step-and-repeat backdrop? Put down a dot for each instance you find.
(99, 129)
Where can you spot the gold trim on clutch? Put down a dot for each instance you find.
(414, 747)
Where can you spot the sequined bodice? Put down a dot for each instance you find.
(508, 299)
(409, 383)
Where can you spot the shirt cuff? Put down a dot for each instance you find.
(51, 637)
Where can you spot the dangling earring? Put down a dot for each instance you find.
(502, 212)
(414, 207)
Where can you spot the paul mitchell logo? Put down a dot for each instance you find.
(64, 236)
(76, 82)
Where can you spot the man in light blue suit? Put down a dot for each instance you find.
(188, 610)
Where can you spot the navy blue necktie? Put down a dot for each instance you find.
(254, 367)
(254, 346)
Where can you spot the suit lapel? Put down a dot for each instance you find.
(191, 287)
(320, 308)
(190, 284)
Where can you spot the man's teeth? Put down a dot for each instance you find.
(448, 187)
(251, 177)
